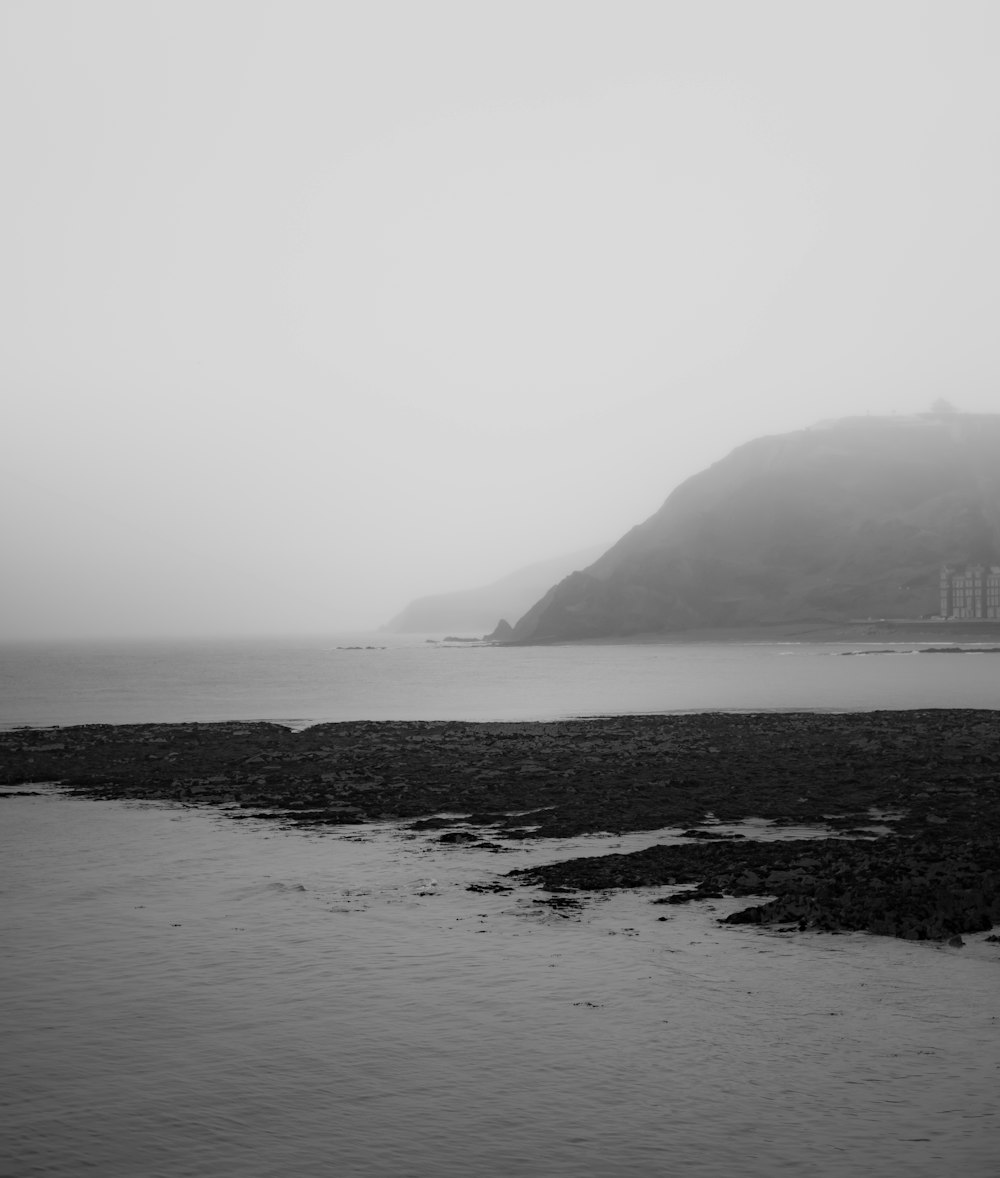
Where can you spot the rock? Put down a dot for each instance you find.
(927, 880)
(709, 834)
(472, 610)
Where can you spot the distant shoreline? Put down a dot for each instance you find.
(880, 630)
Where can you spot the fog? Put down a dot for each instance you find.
(313, 308)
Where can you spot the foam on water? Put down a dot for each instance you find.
(183, 995)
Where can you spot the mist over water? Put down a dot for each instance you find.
(314, 309)
(188, 996)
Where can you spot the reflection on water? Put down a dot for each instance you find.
(188, 996)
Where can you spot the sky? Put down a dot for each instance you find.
(312, 308)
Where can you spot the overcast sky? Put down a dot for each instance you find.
(310, 308)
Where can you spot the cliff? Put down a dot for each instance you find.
(477, 610)
(851, 518)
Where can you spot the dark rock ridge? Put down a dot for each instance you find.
(929, 776)
(849, 519)
(921, 889)
(476, 610)
(938, 768)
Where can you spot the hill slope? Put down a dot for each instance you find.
(478, 610)
(852, 518)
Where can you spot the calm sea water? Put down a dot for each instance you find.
(305, 681)
(185, 996)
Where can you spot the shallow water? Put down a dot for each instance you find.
(183, 995)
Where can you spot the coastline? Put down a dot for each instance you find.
(903, 802)
(902, 630)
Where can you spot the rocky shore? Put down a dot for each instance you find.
(926, 781)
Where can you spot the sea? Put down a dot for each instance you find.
(301, 681)
(184, 995)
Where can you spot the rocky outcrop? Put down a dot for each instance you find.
(933, 770)
(928, 889)
(850, 519)
(929, 778)
(474, 611)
